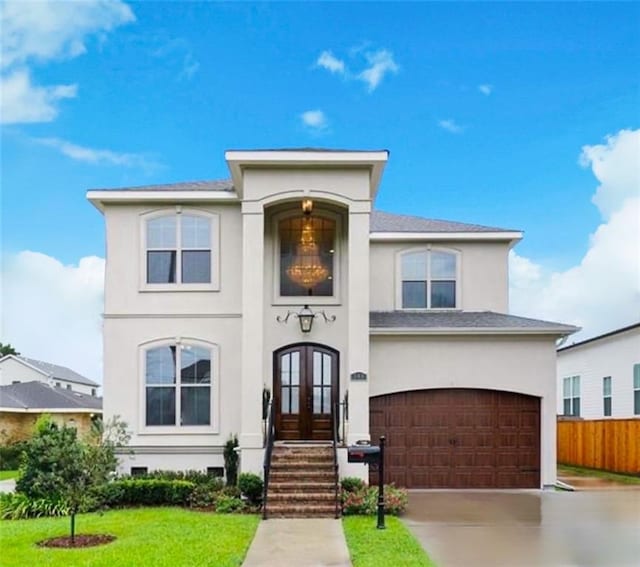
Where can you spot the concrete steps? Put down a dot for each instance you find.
(302, 482)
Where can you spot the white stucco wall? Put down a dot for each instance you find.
(483, 274)
(524, 365)
(610, 356)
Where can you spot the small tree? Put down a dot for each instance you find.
(58, 465)
(231, 460)
(7, 349)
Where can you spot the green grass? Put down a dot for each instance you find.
(606, 475)
(162, 537)
(370, 547)
(6, 475)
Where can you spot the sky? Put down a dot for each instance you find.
(515, 115)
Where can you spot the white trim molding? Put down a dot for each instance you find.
(512, 236)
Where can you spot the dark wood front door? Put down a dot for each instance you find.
(459, 438)
(305, 392)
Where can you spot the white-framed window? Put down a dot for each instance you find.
(636, 389)
(571, 396)
(429, 279)
(606, 396)
(180, 250)
(178, 384)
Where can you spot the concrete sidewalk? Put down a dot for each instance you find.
(8, 485)
(307, 542)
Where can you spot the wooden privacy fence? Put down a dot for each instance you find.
(607, 444)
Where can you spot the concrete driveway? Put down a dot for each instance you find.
(527, 528)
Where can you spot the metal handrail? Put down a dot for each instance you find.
(336, 411)
(270, 437)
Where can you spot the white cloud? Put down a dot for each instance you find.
(602, 292)
(616, 165)
(46, 30)
(330, 63)
(485, 89)
(377, 64)
(52, 312)
(96, 156)
(380, 63)
(314, 119)
(450, 126)
(177, 52)
(37, 32)
(23, 102)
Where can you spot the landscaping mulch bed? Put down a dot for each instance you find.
(89, 540)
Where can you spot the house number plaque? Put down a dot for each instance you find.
(355, 376)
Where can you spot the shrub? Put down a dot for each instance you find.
(231, 460)
(232, 491)
(228, 504)
(147, 492)
(194, 476)
(251, 486)
(17, 506)
(10, 456)
(203, 496)
(365, 501)
(352, 484)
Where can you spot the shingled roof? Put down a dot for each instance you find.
(391, 222)
(40, 396)
(209, 185)
(463, 320)
(56, 371)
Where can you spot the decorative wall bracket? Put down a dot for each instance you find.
(305, 317)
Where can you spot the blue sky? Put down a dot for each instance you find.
(485, 108)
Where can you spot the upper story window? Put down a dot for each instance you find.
(179, 247)
(307, 254)
(606, 396)
(178, 385)
(429, 279)
(571, 396)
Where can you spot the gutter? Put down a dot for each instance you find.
(542, 331)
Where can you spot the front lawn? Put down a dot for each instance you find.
(597, 473)
(370, 547)
(6, 475)
(170, 537)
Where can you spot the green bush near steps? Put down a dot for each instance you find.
(360, 500)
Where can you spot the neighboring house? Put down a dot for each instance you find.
(284, 279)
(15, 369)
(600, 377)
(21, 405)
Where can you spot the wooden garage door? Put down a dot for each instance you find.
(458, 438)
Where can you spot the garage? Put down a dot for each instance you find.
(458, 438)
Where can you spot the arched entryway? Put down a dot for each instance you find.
(459, 438)
(305, 385)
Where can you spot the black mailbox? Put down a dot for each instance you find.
(367, 454)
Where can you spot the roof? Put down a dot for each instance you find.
(41, 396)
(210, 185)
(603, 336)
(391, 222)
(463, 321)
(56, 371)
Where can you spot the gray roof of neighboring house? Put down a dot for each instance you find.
(60, 372)
(38, 395)
(478, 320)
(391, 222)
(603, 336)
(211, 185)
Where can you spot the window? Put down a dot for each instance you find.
(429, 279)
(636, 389)
(606, 396)
(138, 471)
(307, 253)
(179, 249)
(68, 386)
(215, 472)
(58, 385)
(15, 381)
(178, 385)
(571, 396)
(93, 391)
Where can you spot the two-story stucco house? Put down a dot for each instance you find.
(285, 279)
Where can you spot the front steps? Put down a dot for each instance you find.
(302, 482)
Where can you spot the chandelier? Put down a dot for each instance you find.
(307, 269)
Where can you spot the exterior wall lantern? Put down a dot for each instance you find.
(305, 317)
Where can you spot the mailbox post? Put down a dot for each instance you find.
(372, 455)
